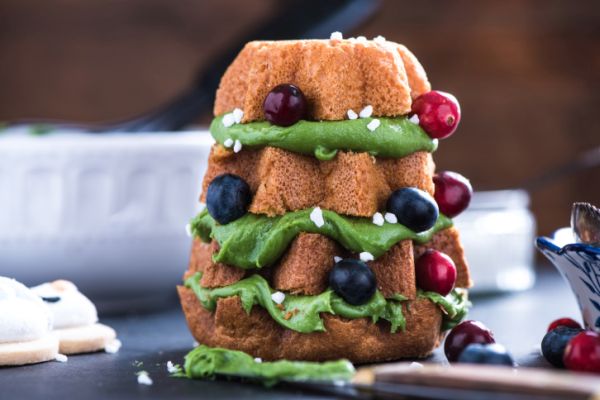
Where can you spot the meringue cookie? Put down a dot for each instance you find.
(23, 315)
(69, 307)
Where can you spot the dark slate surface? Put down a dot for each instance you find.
(518, 320)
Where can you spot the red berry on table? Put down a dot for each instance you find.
(452, 193)
(435, 272)
(284, 105)
(568, 322)
(464, 334)
(583, 353)
(438, 112)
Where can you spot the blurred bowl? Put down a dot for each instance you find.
(105, 211)
(497, 232)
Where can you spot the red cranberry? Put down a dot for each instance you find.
(435, 272)
(452, 193)
(583, 353)
(438, 112)
(568, 322)
(464, 334)
(284, 105)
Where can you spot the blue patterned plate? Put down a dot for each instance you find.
(579, 264)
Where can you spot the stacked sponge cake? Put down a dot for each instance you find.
(261, 283)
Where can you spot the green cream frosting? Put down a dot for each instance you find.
(207, 362)
(394, 138)
(256, 241)
(300, 313)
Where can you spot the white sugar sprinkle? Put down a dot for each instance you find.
(374, 124)
(61, 358)
(361, 39)
(337, 259)
(238, 114)
(195, 343)
(366, 256)
(352, 114)
(144, 379)
(378, 219)
(316, 216)
(379, 39)
(237, 146)
(258, 360)
(228, 142)
(278, 297)
(414, 119)
(171, 368)
(114, 346)
(415, 365)
(336, 36)
(188, 230)
(391, 218)
(366, 112)
(228, 120)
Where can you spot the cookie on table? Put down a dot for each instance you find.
(75, 319)
(26, 335)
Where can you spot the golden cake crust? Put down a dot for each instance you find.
(355, 184)
(359, 340)
(334, 75)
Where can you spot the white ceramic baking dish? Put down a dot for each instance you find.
(106, 211)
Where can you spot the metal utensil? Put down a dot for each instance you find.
(585, 223)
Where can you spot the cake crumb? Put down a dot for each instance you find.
(144, 379)
(374, 124)
(366, 112)
(237, 147)
(172, 368)
(288, 315)
(414, 119)
(238, 114)
(366, 256)
(352, 115)
(278, 297)
(61, 358)
(115, 345)
(378, 219)
(336, 36)
(316, 216)
(379, 39)
(228, 120)
(280, 306)
(391, 218)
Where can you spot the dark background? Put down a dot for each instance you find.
(526, 72)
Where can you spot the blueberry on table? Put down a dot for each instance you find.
(284, 105)
(464, 334)
(414, 208)
(555, 342)
(353, 281)
(491, 354)
(227, 198)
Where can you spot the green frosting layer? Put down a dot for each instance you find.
(256, 241)
(455, 306)
(394, 138)
(300, 313)
(206, 362)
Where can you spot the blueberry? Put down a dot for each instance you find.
(227, 198)
(414, 208)
(555, 342)
(493, 354)
(353, 281)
